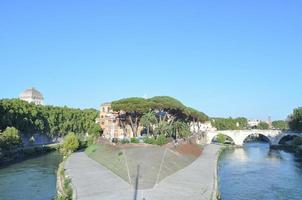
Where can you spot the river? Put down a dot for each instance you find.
(258, 172)
(32, 179)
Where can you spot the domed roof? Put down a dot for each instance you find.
(31, 93)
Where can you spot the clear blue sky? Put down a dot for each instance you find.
(226, 58)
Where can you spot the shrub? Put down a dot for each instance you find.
(149, 140)
(134, 140)
(90, 140)
(82, 144)
(70, 144)
(63, 197)
(161, 140)
(125, 141)
(95, 130)
(65, 192)
(67, 187)
(10, 138)
(114, 140)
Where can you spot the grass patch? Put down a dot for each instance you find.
(110, 157)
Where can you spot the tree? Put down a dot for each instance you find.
(51, 120)
(196, 117)
(229, 123)
(95, 130)
(70, 143)
(280, 124)
(263, 126)
(167, 105)
(295, 120)
(163, 128)
(10, 138)
(181, 129)
(242, 122)
(147, 120)
(133, 109)
(94, 133)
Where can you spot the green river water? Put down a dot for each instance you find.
(32, 179)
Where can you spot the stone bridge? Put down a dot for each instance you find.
(238, 136)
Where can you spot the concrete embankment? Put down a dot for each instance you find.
(196, 181)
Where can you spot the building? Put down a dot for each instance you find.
(253, 123)
(111, 123)
(32, 95)
(202, 127)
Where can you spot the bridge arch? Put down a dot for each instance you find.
(225, 138)
(215, 134)
(267, 138)
(288, 135)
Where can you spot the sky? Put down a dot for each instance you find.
(225, 58)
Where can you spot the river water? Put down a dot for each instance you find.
(259, 173)
(32, 179)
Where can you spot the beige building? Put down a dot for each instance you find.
(111, 123)
(202, 127)
(253, 123)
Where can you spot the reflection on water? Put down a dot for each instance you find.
(258, 172)
(33, 179)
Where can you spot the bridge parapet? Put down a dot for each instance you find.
(238, 136)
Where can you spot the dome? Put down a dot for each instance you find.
(32, 95)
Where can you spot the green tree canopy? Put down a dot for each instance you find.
(280, 124)
(195, 115)
(229, 123)
(95, 130)
(166, 103)
(133, 108)
(263, 125)
(132, 111)
(133, 104)
(51, 120)
(295, 120)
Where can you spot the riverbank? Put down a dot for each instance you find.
(91, 180)
(23, 153)
(223, 147)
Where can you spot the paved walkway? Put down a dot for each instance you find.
(92, 181)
